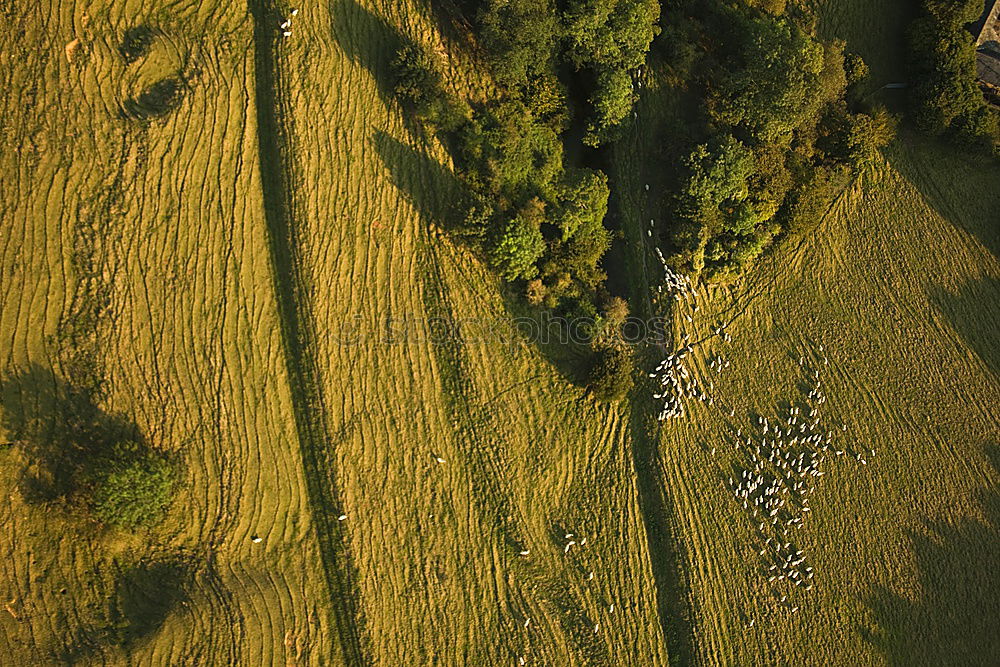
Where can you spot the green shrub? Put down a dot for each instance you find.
(516, 248)
(133, 487)
(611, 372)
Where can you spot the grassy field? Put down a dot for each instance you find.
(898, 288)
(229, 245)
(228, 264)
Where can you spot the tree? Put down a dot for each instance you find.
(609, 38)
(610, 103)
(582, 201)
(855, 139)
(769, 88)
(611, 371)
(516, 248)
(716, 174)
(610, 33)
(519, 38)
(418, 87)
(509, 153)
(947, 97)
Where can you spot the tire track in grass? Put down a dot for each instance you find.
(666, 553)
(276, 171)
(485, 459)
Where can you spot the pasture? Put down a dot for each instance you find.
(232, 246)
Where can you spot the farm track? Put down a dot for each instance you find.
(487, 462)
(658, 500)
(275, 138)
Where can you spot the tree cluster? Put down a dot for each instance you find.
(602, 42)
(777, 139)
(945, 97)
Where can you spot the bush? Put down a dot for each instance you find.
(418, 87)
(516, 248)
(855, 139)
(611, 371)
(132, 488)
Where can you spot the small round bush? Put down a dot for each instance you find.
(610, 375)
(133, 489)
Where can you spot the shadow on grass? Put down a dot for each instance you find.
(974, 312)
(433, 189)
(955, 619)
(455, 18)
(277, 169)
(663, 544)
(963, 187)
(62, 431)
(440, 198)
(143, 597)
(147, 593)
(367, 40)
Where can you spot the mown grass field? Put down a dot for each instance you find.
(898, 287)
(255, 268)
(211, 260)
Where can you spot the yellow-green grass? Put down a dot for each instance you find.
(231, 240)
(260, 288)
(899, 284)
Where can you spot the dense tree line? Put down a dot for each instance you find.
(771, 136)
(775, 134)
(945, 96)
(538, 219)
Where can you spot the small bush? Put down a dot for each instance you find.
(132, 488)
(610, 376)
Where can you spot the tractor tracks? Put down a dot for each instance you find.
(277, 172)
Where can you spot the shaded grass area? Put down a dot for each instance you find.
(955, 619)
(941, 172)
(630, 208)
(276, 171)
(65, 434)
(157, 100)
(141, 598)
(974, 312)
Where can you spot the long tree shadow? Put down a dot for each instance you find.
(275, 135)
(974, 312)
(955, 619)
(367, 40)
(963, 187)
(433, 189)
(62, 431)
(666, 554)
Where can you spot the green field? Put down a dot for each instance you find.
(240, 275)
